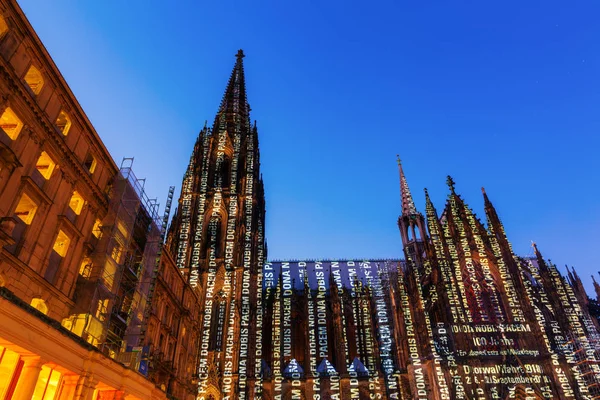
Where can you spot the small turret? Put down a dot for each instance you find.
(410, 222)
(578, 287)
(596, 288)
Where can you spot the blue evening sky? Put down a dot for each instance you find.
(504, 95)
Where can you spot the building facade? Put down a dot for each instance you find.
(172, 332)
(81, 277)
(461, 317)
(93, 306)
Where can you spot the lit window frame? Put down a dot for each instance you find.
(64, 129)
(3, 27)
(9, 113)
(39, 304)
(22, 206)
(62, 242)
(97, 228)
(90, 162)
(32, 71)
(51, 165)
(76, 202)
(84, 269)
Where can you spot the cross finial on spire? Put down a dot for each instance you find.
(240, 54)
(534, 245)
(450, 182)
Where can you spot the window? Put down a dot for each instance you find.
(39, 304)
(3, 27)
(10, 368)
(102, 310)
(165, 317)
(108, 274)
(61, 244)
(117, 253)
(10, 123)
(85, 270)
(34, 80)
(90, 163)
(26, 209)
(122, 228)
(63, 123)
(45, 165)
(76, 203)
(47, 384)
(97, 229)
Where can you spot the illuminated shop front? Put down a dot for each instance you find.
(41, 360)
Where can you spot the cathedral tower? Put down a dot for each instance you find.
(217, 237)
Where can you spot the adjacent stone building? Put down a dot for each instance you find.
(89, 309)
(173, 331)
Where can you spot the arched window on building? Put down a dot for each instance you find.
(34, 80)
(40, 305)
(417, 232)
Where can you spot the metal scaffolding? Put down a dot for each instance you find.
(117, 275)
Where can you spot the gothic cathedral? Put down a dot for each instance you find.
(460, 317)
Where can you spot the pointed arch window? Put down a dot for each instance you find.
(34, 79)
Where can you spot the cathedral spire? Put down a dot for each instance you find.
(495, 225)
(234, 108)
(408, 205)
